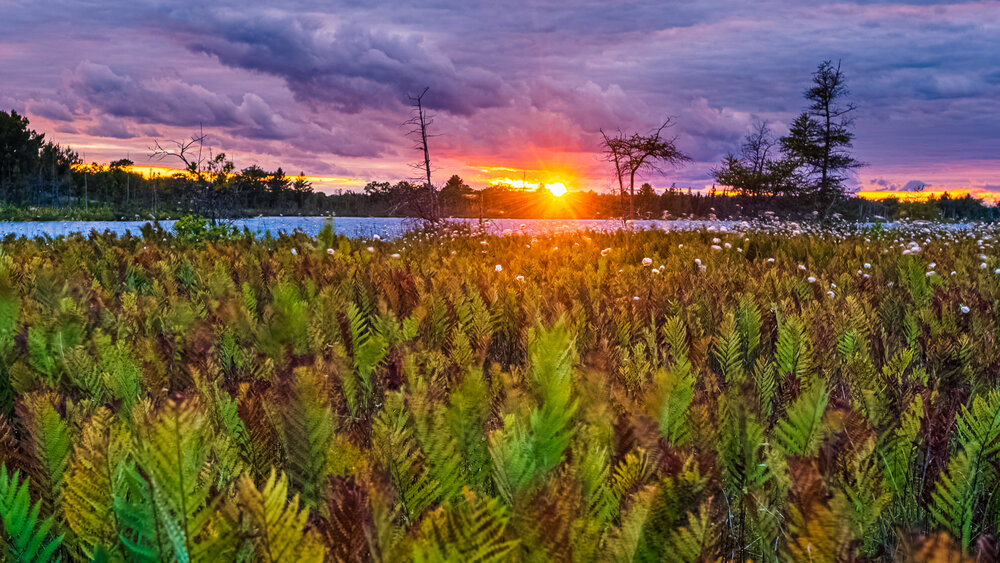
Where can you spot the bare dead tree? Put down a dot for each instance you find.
(632, 154)
(614, 152)
(419, 123)
(182, 151)
(758, 146)
(208, 176)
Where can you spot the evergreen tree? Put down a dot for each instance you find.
(820, 138)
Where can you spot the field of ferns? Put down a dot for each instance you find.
(781, 393)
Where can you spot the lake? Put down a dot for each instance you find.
(355, 227)
(391, 227)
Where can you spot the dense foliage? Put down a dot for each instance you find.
(768, 395)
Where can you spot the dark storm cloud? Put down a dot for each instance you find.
(110, 127)
(52, 109)
(351, 67)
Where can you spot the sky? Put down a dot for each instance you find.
(517, 88)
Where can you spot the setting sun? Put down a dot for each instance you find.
(557, 189)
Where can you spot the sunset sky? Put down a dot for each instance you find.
(518, 89)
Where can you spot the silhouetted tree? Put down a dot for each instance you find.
(820, 138)
(635, 153)
(646, 200)
(760, 170)
(423, 200)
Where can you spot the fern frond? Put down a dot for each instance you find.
(174, 454)
(140, 531)
(466, 416)
(92, 481)
(49, 447)
(688, 543)
(674, 497)
(469, 528)
(958, 493)
(277, 530)
(821, 535)
(793, 353)
(26, 537)
(728, 353)
(802, 430)
(308, 432)
(599, 499)
(348, 522)
(748, 323)
(676, 392)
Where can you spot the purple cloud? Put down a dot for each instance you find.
(511, 83)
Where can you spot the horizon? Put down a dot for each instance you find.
(516, 93)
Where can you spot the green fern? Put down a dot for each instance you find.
(308, 434)
(803, 429)
(748, 324)
(673, 498)
(793, 353)
(27, 539)
(728, 351)
(899, 463)
(550, 432)
(400, 454)
(676, 392)
(957, 495)
(49, 441)
(141, 532)
(369, 349)
(174, 454)
(466, 417)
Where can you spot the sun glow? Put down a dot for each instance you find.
(985, 195)
(319, 183)
(557, 189)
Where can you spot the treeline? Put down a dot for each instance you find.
(42, 180)
(457, 199)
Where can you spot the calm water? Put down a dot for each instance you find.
(357, 227)
(390, 227)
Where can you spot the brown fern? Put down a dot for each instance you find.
(348, 522)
